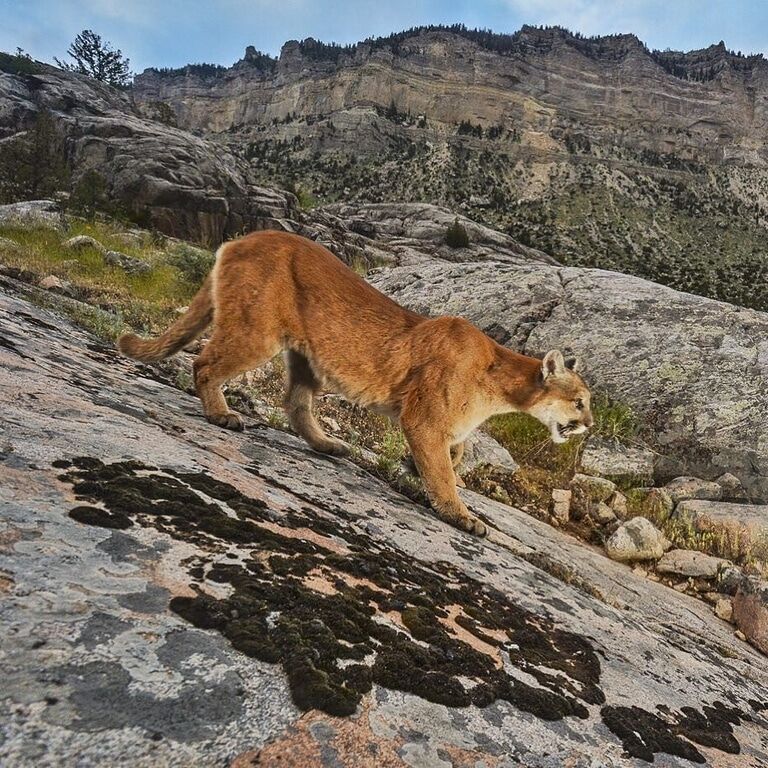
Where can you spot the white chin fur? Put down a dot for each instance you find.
(557, 438)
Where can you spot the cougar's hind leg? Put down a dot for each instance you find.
(457, 454)
(221, 360)
(301, 389)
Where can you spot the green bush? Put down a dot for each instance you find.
(89, 194)
(20, 64)
(456, 236)
(193, 263)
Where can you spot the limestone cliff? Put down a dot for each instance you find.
(598, 151)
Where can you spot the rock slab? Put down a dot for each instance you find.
(128, 523)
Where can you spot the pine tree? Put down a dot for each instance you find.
(96, 58)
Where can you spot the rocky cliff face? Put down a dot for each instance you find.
(597, 151)
(173, 594)
(546, 81)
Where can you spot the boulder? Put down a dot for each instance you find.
(637, 539)
(416, 233)
(480, 449)
(732, 488)
(654, 503)
(750, 611)
(610, 458)
(79, 243)
(588, 491)
(129, 264)
(688, 562)
(693, 370)
(31, 214)
(594, 488)
(684, 488)
(743, 528)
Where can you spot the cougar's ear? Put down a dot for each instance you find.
(572, 364)
(552, 364)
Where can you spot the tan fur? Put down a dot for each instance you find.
(439, 378)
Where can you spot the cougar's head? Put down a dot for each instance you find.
(563, 403)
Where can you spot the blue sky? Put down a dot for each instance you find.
(176, 32)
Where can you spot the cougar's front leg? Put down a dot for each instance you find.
(432, 456)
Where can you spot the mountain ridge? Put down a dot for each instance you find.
(599, 152)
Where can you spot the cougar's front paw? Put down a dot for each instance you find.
(231, 421)
(476, 526)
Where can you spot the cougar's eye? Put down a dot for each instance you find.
(579, 405)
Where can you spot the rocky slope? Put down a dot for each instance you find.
(693, 370)
(62, 131)
(598, 151)
(127, 519)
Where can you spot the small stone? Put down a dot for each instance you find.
(331, 423)
(587, 491)
(603, 513)
(740, 635)
(638, 570)
(561, 506)
(750, 611)
(81, 242)
(128, 264)
(681, 586)
(732, 488)
(724, 609)
(650, 502)
(684, 488)
(595, 488)
(51, 283)
(618, 503)
(56, 285)
(687, 562)
(637, 539)
(729, 579)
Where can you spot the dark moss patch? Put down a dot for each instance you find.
(329, 642)
(643, 733)
(101, 517)
(334, 642)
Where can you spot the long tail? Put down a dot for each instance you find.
(188, 327)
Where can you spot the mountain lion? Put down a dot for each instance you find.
(439, 378)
